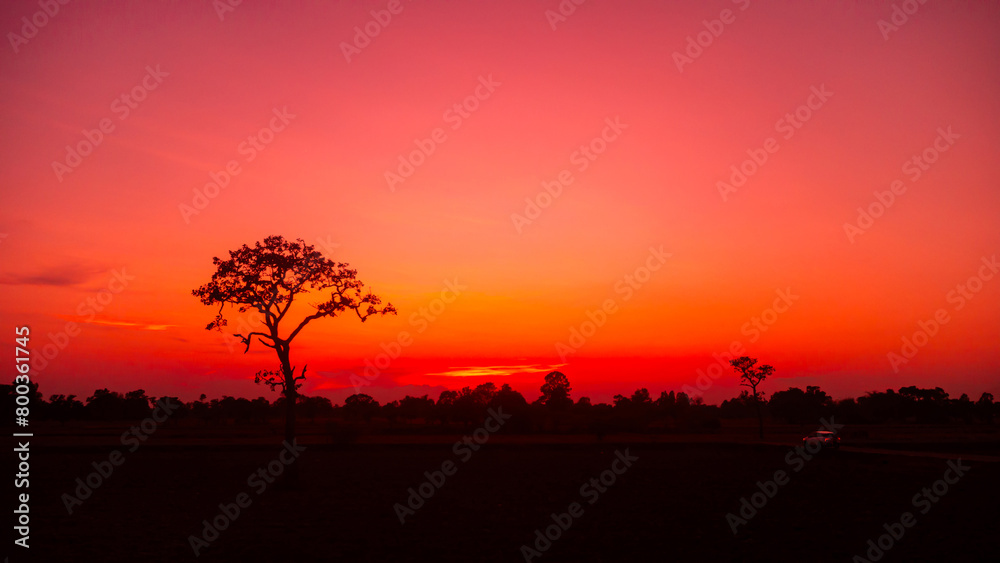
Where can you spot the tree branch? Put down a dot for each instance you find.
(249, 337)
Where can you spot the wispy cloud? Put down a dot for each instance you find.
(140, 326)
(63, 275)
(119, 324)
(496, 371)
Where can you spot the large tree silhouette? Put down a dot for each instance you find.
(751, 377)
(269, 277)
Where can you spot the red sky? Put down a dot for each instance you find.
(879, 97)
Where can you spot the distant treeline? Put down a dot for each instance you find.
(554, 410)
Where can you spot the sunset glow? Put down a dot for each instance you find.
(587, 193)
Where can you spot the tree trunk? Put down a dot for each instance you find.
(290, 395)
(291, 479)
(760, 417)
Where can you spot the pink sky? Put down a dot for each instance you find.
(655, 184)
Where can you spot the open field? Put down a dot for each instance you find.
(942, 438)
(670, 505)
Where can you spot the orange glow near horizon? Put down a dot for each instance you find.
(638, 244)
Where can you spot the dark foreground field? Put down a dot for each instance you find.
(670, 505)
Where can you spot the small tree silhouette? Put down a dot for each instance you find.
(555, 391)
(268, 277)
(752, 377)
(361, 406)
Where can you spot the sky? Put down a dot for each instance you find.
(628, 192)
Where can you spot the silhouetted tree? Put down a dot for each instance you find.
(361, 406)
(510, 400)
(137, 404)
(796, 406)
(666, 402)
(312, 407)
(878, 407)
(985, 408)
(269, 277)
(964, 408)
(260, 409)
(200, 408)
(446, 405)
(641, 397)
(925, 405)
(633, 413)
(848, 411)
(414, 408)
(10, 392)
(751, 377)
(470, 403)
(390, 411)
(181, 409)
(555, 391)
(682, 401)
(106, 405)
(741, 406)
(232, 408)
(63, 408)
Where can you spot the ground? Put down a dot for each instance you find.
(669, 505)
